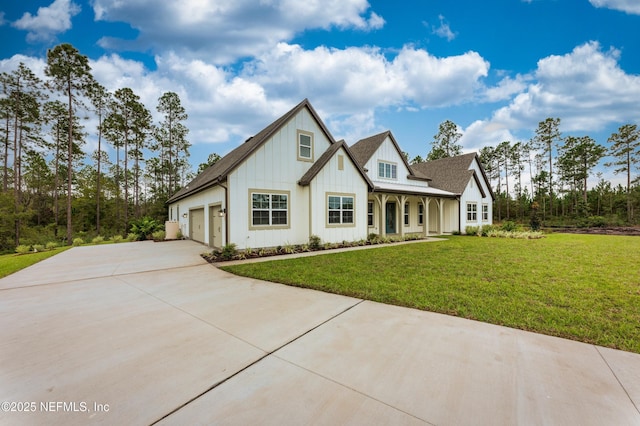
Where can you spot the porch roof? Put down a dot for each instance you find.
(412, 190)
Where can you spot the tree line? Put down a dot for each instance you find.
(53, 187)
(559, 168)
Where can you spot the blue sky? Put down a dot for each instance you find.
(495, 67)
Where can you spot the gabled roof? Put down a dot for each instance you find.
(365, 148)
(218, 172)
(453, 173)
(324, 159)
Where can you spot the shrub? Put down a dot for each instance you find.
(98, 239)
(51, 245)
(597, 221)
(315, 243)
(229, 251)
(144, 228)
(132, 237)
(472, 230)
(78, 242)
(117, 239)
(158, 235)
(23, 249)
(373, 238)
(38, 247)
(509, 226)
(179, 235)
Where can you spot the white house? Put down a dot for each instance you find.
(464, 176)
(292, 180)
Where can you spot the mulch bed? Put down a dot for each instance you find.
(611, 230)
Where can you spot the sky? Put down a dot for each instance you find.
(496, 67)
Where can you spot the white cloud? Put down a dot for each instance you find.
(628, 6)
(223, 31)
(48, 21)
(443, 30)
(586, 88)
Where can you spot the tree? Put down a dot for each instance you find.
(417, 159)
(211, 160)
(547, 137)
(171, 140)
(579, 156)
(121, 127)
(55, 115)
(24, 93)
(445, 142)
(625, 149)
(70, 74)
(100, 100)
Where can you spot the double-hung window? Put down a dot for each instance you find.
(485, 212)
(370, 213)
(387, 170)
(406, 214)
(420, 214)
(305, 146)
(472, 212)
(269, 209)
(340, 209)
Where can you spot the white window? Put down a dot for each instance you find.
(370, 213)
(340, 210)
(420, 214)
(269, 209)
(305, 146)
(406, 214)
(387, 170)
(472, 212)
(485, 212)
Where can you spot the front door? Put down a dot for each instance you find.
(390, 226)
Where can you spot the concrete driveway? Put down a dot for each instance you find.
(144, 333)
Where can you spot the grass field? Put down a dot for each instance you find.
(10, 263)
(581, 287)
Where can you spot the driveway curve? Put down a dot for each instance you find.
(146, 333)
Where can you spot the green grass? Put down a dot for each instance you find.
(580, 287)
(10, 263)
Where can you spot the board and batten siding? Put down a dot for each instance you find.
(333, 181)
(473, 194)
(275, 167)
(201, 200)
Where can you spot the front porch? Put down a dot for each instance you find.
(402, 214)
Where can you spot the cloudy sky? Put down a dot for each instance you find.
(494, 67)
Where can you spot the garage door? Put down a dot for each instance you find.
(196, 225)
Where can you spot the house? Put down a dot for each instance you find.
(464, 176)
(292, 180)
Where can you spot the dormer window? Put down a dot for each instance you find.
(305, 146)
(387, 170)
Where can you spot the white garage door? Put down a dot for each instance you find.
(196, 225)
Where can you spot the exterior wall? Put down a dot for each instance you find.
(203, 199)
(388, 153)
(331, 180)
(472, 194)
(275, 167)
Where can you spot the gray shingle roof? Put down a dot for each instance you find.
(451, 174)
(324, 159)
(220, 170)
(365, 148)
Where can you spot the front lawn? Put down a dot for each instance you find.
(10, 263)
(581, 287)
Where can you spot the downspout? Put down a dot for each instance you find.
(227, 228)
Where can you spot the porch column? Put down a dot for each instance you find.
(441, 222)
(382, 200)
(425, 203)
(401, 199)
